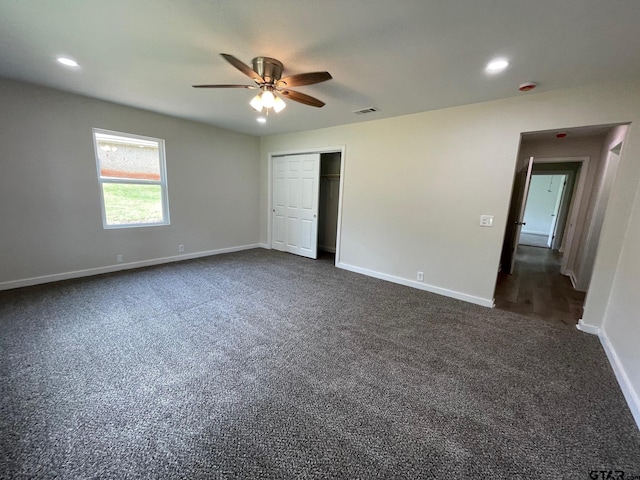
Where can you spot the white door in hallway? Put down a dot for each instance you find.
(295, 204)
(519, 201)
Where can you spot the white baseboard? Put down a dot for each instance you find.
(630, 395)
(574, 281)
(572, 277)
(485, 302)
(264, 245)
(586, 328)
(530, 232)
(117, 267)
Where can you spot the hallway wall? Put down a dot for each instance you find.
(604, 177)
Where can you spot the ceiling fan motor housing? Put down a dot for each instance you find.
(268, 68)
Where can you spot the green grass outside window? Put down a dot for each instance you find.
(132, 204)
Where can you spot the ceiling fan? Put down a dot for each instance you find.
(267, 75)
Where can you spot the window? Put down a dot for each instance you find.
(133, 179)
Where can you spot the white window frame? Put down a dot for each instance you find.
(162, 182)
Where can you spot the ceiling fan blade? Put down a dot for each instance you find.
(304, 79)
(224, 86)
(243, 67)
(301, 97)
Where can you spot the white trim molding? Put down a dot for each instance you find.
(26, 282)
(485, 302)
(630, 395)
(572, 277)
(586, 328)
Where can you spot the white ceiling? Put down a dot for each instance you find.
(401, 56)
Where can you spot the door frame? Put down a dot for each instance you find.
(574, 207)
(523, 197)
(341, 149)
(556, 209)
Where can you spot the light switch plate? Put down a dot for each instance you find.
(486, 220)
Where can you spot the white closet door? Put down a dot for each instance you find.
(295, 204)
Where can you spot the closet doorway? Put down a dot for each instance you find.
(305, 201)
(328, 204)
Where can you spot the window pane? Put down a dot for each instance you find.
(130, 203)
(126, 157)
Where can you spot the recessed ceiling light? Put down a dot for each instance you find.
(69, 62)
(261, 120)
(497, 65)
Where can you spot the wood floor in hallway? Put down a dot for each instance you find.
(538, 289)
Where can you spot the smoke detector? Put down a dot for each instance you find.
(527, 86)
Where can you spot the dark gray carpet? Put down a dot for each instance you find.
(266, 365)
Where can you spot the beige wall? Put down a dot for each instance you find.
(621, 322)
(50, 219)
(603, 181)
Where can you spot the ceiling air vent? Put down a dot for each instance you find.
(366, 110)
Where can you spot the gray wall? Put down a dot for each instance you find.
(50, 219)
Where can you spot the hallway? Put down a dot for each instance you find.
(537, 288)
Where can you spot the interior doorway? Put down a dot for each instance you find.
(556, 213)
(542, 211)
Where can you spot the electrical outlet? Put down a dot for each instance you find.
(180, 248)
(119, 259)
(420, 276)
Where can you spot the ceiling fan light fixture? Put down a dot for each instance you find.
(256, 103)
(278, 104)
(268, 99)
